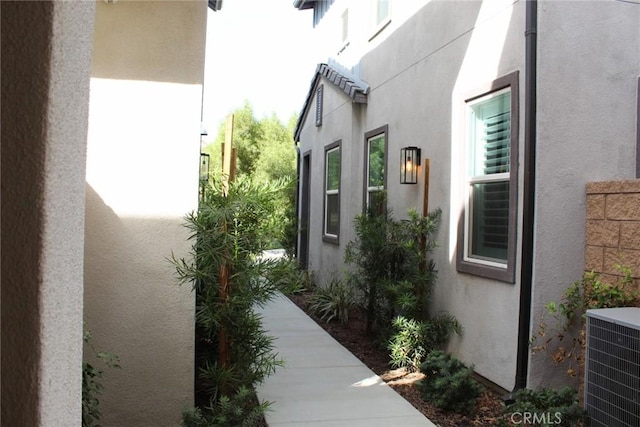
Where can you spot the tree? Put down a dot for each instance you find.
(266, 153)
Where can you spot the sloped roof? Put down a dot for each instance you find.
(356, 92)
(215, 5)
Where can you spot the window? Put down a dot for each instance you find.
(332, 193)
(375, 169)
(380, 16)
(382, 12)
(345, 27)
(487, 238)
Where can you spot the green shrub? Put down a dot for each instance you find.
(332, 301)
(229, 233)
(413, 339)
(285, 274)
(92, 382)
(548, 407)
(391, 271)
(239, 410)
(448, 383)
(567, 315)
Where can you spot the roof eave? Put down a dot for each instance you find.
(346, 85)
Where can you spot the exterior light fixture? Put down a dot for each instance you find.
(204, 168)
(409, 162)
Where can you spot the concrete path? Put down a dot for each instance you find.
(322, 384)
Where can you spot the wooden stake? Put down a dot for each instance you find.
(227, 155)
(423, 240)
(425, 196)
(228, 175)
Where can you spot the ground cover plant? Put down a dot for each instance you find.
(448, 383)
(233, 353)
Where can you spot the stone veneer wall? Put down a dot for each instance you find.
(613, 228)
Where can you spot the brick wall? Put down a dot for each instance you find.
(613, 228)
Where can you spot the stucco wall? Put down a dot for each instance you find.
(419, 74)
(586, 131)
(142, 178)
(44, 129)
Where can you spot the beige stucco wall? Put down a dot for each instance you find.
(44, 129)
(587, 117)
(142, 178)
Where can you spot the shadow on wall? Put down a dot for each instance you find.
(135, 309)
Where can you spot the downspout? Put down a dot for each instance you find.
(529, 191)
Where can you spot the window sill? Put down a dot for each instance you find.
(334, 240)
(486, 271)
(380, 28)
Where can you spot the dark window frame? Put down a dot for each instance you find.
(331, 238)
(477, 268)
(367, 136)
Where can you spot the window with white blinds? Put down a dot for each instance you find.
(487, 233)
(490, 139)
(489, 180)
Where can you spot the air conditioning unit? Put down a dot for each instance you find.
(612, 370)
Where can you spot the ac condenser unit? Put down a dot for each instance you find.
(612, 371)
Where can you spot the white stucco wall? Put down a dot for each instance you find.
(588, 66)
(142, 178)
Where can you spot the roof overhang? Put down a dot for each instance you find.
(303, 4)
(342, 82)
(215, 5)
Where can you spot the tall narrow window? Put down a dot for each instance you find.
(487, 243)
(382, 11)
(332, 193)
(345, 27)
(375, 178)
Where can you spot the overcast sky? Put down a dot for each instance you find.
(256, 52)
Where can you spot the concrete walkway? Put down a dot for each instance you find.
(322, 384)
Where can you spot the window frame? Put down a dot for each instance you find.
(465, 263)
(368, 136)
(327, 237)
(378, 25)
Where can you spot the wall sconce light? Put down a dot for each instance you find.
(204, 168)
(409, 162)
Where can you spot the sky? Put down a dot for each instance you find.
(257, 51)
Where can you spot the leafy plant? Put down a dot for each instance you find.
(237, 410)
(548, 407)
(92, 382)
(414, 339)
(588, 293)
(391, 267)
(230, 278)
(448, 383)
(287, 275)
(332, 301)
